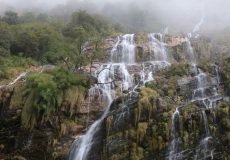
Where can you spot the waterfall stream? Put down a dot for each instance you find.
(206, 95)
(122, 57)
(157, 44)
(22, 75)
(117, 79)
(106, 74)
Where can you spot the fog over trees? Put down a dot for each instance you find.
(148, 15)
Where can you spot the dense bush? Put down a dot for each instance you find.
(44, 93)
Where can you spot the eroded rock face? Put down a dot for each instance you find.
(141, 130)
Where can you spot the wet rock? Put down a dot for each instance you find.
(184, 81)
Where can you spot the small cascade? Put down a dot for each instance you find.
(203, 151)
(197, 26)
(207, 133)
(106, 74)
(190, 51)
(22, 75)
(202, 84)
(166, 30)
(146, 75)
(124, 50)
(204, 92)
(216, 67)
(81, 146)
(157, 44)
(204, 96)
(176, 145)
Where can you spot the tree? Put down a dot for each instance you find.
(10, 17)
(6, 39)
(42, 17)
(80, 35)
(27, 17)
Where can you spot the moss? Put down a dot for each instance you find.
(154, 129)
(225, 123)
(132, 134)
(63, 129)
(165, 114)
(140, 152)
(153, 143)
(186, 139)
(141, 38)
(109, 120)
(223, 109)
(16, 100)
(161, 144)
(141, 131)
(228, 138)
(147, 103)
(133, 152)
(167, 133)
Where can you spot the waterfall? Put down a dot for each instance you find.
(124, 49)
(176, 145)
(205, 123)
(205, 94)
(197, 26)
(202, 84)
(190, 51)
(82, 145)
(157, 46)
(105, 75)
(216, 67)
(22, 75)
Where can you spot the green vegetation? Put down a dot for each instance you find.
(45, 92)
(32, 40)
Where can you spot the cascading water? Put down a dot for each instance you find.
(105, 75)
(124, 50)
(197, 26)
(157, 45)
(117, 73)
(176, 145)
(190, 51)
(22, 75)
(205, 94)
(82, 145)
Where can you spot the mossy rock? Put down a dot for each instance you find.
(141, 38)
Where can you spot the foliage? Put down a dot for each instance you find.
(12, 66)
(10, 17)
(6, 39)
(225, 74)
(44, 93)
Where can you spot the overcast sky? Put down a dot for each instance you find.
(214, 12)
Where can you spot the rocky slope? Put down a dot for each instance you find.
(142, 129)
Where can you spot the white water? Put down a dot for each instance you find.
(82, 145)
(206, 94)
(106, 75)
(190, 51)
(176, 144)
(157, 45)
(124, 50)
(166, 30)
(22, 75)
(197, 26)
(217, 74)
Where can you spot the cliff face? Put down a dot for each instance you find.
(140, 123)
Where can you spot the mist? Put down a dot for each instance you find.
(179, 16)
